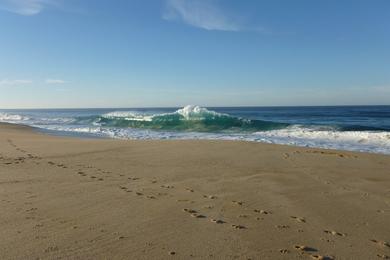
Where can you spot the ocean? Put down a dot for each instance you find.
(353, 128)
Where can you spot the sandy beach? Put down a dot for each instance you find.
(73, 198)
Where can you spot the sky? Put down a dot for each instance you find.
(171, 53)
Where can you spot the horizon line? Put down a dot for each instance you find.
(164, 107)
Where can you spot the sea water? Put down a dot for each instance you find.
(354, 128)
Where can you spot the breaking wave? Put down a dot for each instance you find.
(189, 118)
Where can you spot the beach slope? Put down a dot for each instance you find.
(73, 198)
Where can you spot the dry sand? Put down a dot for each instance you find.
(72, 198)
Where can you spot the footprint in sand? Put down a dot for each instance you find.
(139, 193)
(197, 215)
(261, 211)
(217, 221)
(284, 251)
(189, 190)
(125, 189)
(182, 200)
(383, 256)
(335, 233)
(194, 213)
(302, 220)
(239, 203)
(380, 243)
(167, 186)
(151, 197)
(305, 248)
(212, 197)
(320, 257)
(282, 226)
(190, 210)
(238, 227)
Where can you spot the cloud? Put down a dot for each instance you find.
(27, 7)
(23, 82)
(204, 14)
(55, 81)
(14, 82)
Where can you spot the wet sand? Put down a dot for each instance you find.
(73, 198)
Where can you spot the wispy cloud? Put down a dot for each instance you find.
(14, 82)
(55, 81)
(204, 14)
(24, 82)
(27, 7)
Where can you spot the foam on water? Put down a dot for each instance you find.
(363, 141)
(127, 115)
(5, 117)
(375, 142)
(191, 112)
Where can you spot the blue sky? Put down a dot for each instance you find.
(141, 53)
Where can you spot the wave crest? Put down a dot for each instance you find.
(188, 118)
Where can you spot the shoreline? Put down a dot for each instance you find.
(81, 135)
(82, 198)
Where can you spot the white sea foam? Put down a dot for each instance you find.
(22, 119)
(128, 115)
(5, 117)
(194, 112)
(363, 141)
